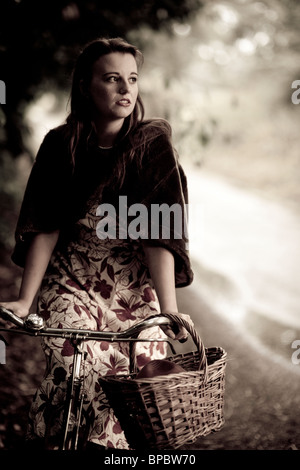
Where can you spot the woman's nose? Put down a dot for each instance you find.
(124, 88)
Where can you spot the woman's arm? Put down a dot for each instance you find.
(37, 260)
(161, 267)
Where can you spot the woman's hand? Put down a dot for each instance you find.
(179, 332)
(18, 307)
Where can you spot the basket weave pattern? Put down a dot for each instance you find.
(166, 412)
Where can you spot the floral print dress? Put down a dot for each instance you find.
(99, 285)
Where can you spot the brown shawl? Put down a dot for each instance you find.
(56, 196)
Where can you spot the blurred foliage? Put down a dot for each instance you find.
(224, 81)
(39, 41)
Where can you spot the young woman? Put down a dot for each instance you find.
(105, 153)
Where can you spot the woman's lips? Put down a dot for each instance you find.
(124, 102)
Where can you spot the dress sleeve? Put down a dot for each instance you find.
(162, 188)
(44, 200)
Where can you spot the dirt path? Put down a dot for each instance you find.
(262, 400)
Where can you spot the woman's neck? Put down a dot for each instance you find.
(107, 132)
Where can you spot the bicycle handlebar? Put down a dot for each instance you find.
(34, 325)
(10, 316)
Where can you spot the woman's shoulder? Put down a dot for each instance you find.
(156, 144)
(54, 148)
(154, 135)
(56, 141)
(57, 134)
(154, 128)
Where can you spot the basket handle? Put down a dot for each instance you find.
(176, 318)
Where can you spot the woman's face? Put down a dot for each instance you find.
(113, 87)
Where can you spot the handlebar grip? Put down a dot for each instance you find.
(10, 316)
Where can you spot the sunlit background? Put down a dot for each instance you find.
(223, 78)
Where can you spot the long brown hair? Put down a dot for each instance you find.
(136, 132)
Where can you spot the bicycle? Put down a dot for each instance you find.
(33, 325)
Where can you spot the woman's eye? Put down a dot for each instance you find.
(112, 79)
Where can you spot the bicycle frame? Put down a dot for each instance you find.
(34, 325)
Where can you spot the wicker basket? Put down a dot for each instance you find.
(166, 412)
